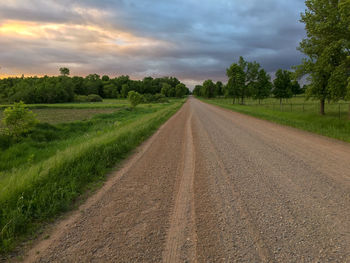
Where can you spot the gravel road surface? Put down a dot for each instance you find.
(215, 186)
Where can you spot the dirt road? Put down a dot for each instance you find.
(216, 186)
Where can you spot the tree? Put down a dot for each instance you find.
(18, 120)
(295, 88)
(165, 89)
(135, 98)
(251, 72)
(171, 92)
(262, 88)
(327, 47)
(282, 85)
(208, 89)
(180, 90)
(105, 78)
(197, 90)
(125, 90)
(218, 89)
(64, 71)
(236, 81)
(93, 84)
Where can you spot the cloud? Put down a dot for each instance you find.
(191, 39)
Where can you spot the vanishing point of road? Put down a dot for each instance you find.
(215, 186)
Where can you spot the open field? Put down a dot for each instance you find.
(298, 113)
(63, 115)
(107, 103)
(42, 175)
(213, 185)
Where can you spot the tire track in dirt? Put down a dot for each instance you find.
(262, 249)
(181, 238)
(127, 219)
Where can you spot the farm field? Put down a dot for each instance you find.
(298, 113)
(64, 115)
(70, 150)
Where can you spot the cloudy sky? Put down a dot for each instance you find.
(190, 39)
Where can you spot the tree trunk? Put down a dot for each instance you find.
(322, 102)
(280, 101)
(242, 101)
(259, 101)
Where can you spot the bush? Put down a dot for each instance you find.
(89, 98)
(18, 120)
(157, 98)
(81, 98)
(94, 98)
(160, 98)
(135, 98)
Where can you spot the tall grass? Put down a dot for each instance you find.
(309, 120)
(32, 195)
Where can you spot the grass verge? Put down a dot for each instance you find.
(31, 196)
(329, 126)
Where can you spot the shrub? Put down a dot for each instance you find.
(81, 98)
(18, 120)
(157, 98)
(160, 98)
(89, 98)
(94, 98)
(135, 98)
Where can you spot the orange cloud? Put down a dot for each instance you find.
(76, 34)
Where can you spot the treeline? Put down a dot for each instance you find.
(249, 80)
(68, 89)
(326, 64)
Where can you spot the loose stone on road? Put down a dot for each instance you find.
(215, 186)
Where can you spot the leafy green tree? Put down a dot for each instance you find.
(105, 78)
(236, 87)
(165, 89)
(125, 90)
(18, 120)
(262, 88)
(296, 89)
(208, 89)
(251, 73)
(64, 71)
(135, 98)
(327, 47)
(282, 85)
(218, 89)
(171, 92)
(93, 84)
(197, 90)
(180, 90)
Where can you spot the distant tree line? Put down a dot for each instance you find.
(249, 80)
(326, 65)
(92, 87)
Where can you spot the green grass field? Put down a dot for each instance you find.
(57, 115)
(107, 103)
(42, 175)
(298, 113)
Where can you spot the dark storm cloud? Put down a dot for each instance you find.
(200, 38)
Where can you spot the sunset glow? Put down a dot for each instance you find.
(113, 37)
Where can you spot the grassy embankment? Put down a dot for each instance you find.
(298, 113)
(43, 175)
